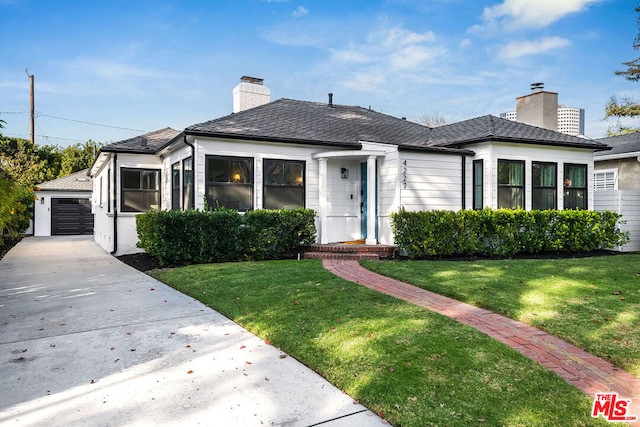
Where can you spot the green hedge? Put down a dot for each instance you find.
(504, 232)
(221, 235)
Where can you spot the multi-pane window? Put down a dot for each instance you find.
(478, 187)
(283, 184)
(229, 182)
(510, 184)
(605, 180)
(187, 183)
(575, 186)
(140, 190)
(544, 185)
(175, 186)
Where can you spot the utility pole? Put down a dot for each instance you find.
(32, 120)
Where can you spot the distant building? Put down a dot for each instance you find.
(540, 108)
(571, 120)
(509, 115)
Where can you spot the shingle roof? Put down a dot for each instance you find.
(78, 181)
(493, 128)
(621, 144)
(148, 143)
(288, 120)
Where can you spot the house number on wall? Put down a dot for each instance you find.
(404, 175)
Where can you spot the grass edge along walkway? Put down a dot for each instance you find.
(587, 372)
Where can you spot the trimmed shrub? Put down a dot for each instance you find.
(222, 235)
(505, 232)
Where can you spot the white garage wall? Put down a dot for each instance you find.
(42, 208)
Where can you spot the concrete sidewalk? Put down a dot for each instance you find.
(87, 340)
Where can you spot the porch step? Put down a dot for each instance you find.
(349, 251)
(334, 255)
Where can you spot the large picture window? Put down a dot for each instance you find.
(229, 182)
(478, 184)
(511, 184)
(575, 186)
(140, 190)
(175, 186)
(283, 184)
(544, 185)
(187, 184)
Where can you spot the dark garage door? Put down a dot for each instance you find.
(71, 216)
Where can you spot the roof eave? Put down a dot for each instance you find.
(172, 141)
(599, 147)
(65, 190)
(130, 151)
(272, 139)
(628, 155)
(438, 150)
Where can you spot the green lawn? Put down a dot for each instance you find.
(412, 366)
(593, 303)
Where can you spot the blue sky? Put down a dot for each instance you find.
(138, 66)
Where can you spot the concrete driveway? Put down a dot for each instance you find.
(88, 340)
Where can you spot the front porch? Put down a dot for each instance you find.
(350, 251)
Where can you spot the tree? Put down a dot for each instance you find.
(15, 207)
(77, 157)
(21, 162)
(432, 120)
(633, 67)
(627, 107)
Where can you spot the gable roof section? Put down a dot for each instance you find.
(148, 143)
(622, 146)
(302, 122)
(491, 128)
(77, 181)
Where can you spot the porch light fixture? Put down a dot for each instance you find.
(42, 200)
(344, 173)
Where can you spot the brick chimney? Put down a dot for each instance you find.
(250, 93)
(539, 108)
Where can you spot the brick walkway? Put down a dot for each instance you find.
(589, 373)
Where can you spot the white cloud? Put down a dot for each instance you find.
(300, 11)
(396, 37)
(385, 55)
(518, 49)
(523, 14)
(108, 69)
(410, 57)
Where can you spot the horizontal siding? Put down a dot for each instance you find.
(626, 203)
(430, 181)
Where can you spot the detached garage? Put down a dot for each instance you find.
(63, 206)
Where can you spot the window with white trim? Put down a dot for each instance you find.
(605, 180)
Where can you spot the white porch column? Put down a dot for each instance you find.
(371, 201)
(322, 202)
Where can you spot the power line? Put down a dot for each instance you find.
(89, 123)
(23, 136)
(38, 114)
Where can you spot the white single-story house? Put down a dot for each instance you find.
(617, 183)
(353, 166)
(63, 206)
